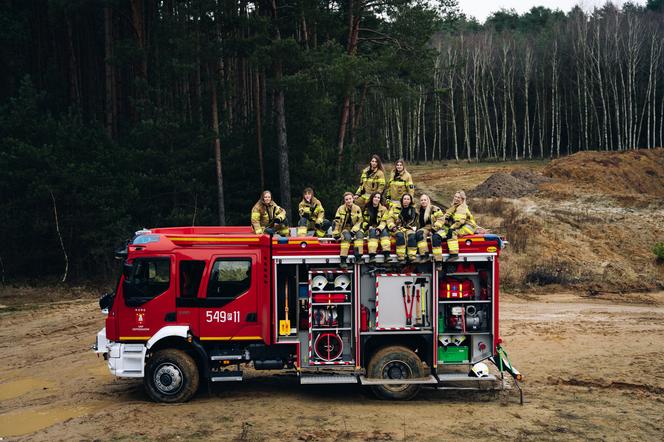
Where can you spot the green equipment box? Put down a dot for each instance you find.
(453, 355)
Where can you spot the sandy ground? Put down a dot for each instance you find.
(594, 370)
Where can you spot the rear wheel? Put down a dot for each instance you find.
(395, 363)
(171, 376)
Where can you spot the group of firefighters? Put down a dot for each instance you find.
(376, 211)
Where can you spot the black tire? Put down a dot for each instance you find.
(171, 376)
(395, 363)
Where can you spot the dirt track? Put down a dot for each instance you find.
(594, 370)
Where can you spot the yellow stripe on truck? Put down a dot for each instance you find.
(135, 338)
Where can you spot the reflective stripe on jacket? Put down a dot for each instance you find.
(379, 222)
(396, 219)
(458, 216)
(312, 211)
(435, 220)
(371, 182)
(263, 216)
(400, 185)
(346, 219)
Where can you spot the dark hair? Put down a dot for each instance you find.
(371, 210)
(372, 197)
(308, 190)
(380, 163)
(406, 195)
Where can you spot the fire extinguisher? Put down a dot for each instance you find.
(364, 318)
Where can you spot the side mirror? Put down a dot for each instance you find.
(127, 270)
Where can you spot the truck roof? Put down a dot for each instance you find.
(164, 239)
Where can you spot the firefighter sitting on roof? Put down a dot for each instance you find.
(429, 219)
(374, 225)
(312, 215)
(400, 182)
(348, 224)
(458, 222)
(268, 217)
(372, 180)
(402, 222)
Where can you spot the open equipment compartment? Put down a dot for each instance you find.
(403, 301)
(331, 323)
(465, 312)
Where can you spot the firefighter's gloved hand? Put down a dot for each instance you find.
(269, 231)
(318, 226)
(449, 234)
(306, 212)
(336, 235)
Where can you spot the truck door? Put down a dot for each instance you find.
(148, 298)
(230, 307)
(191, 274)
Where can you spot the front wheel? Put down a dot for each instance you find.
(171, 376)
(395, 363)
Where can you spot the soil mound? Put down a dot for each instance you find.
(628, 172)
(503, 185)
(531, 176)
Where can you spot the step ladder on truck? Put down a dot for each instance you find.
(198, 304)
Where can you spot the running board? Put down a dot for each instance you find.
(226, 376)
(216, 356)
(375, 381)
(327, 379)
(462, 377)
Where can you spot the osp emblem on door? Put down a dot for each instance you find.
(140, 316)
(141, 319)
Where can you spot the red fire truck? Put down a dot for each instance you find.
(197, 304)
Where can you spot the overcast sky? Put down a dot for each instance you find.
(482, 9)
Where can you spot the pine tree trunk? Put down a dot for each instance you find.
(280, 111)
(110, 101)
(259, 128)
(217, 148)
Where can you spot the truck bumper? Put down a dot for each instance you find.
(124, 360)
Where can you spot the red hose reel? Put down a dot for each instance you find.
(328, 347)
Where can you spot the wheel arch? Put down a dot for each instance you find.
(177, 337)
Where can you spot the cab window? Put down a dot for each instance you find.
(229, 279)
(150, 278)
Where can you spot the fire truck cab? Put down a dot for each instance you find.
(198, 304)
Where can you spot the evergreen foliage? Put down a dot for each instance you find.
(106, 107)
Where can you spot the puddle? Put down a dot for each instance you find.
(31, 420)
(12, 389)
